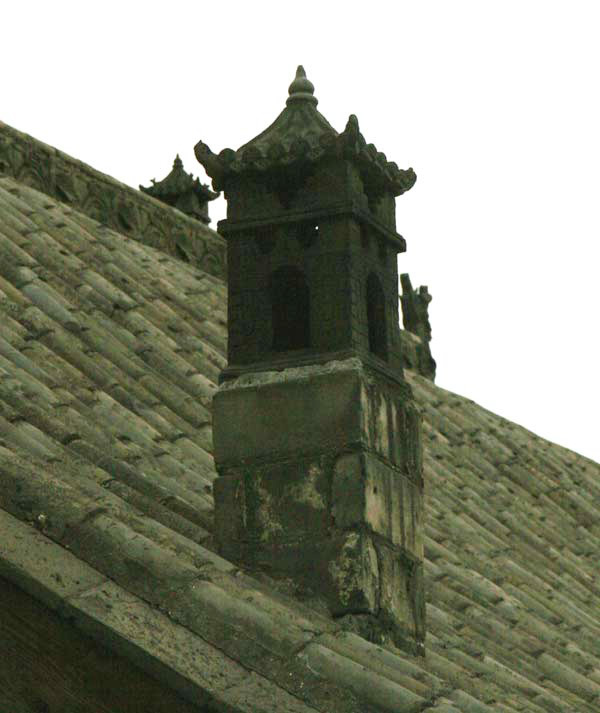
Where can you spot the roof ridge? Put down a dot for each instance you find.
(112, 203)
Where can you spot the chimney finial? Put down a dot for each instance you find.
(301, 89)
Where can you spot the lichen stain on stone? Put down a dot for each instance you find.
(395, 588)
(375, 422)
(355, 572)
(364, 412)
(383, 444)
(306, 490)
(410, 519)
(342, 570)
(269, 526)
(394, 429)
(376, 504)
(347, 493)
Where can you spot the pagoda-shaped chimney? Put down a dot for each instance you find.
(316, 437)
(182, 191)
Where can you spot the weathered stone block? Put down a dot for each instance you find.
(390, 423)
(354, 574)
(285, 412)
(341, 568)
(402, 591)
(367, 491)
(339, 404)
(286, 500)
(317, 484)
(272, 513)
(282, 525)
(230, 515)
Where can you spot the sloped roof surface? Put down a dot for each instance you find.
(109, 355)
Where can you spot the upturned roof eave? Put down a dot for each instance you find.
(301, 134)
(178, 183)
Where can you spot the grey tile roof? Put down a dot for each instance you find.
(109, 355)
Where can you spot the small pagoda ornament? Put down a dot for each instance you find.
(316, 436)
(182, 191)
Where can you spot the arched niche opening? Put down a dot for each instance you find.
(290, 309)
(376, 317)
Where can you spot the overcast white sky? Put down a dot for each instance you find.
(493, 103)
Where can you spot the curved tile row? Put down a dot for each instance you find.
(512, 543)
(98, 352)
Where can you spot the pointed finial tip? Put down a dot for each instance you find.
(352, 128)
(301, 87)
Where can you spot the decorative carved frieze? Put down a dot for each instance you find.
(110, 202)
